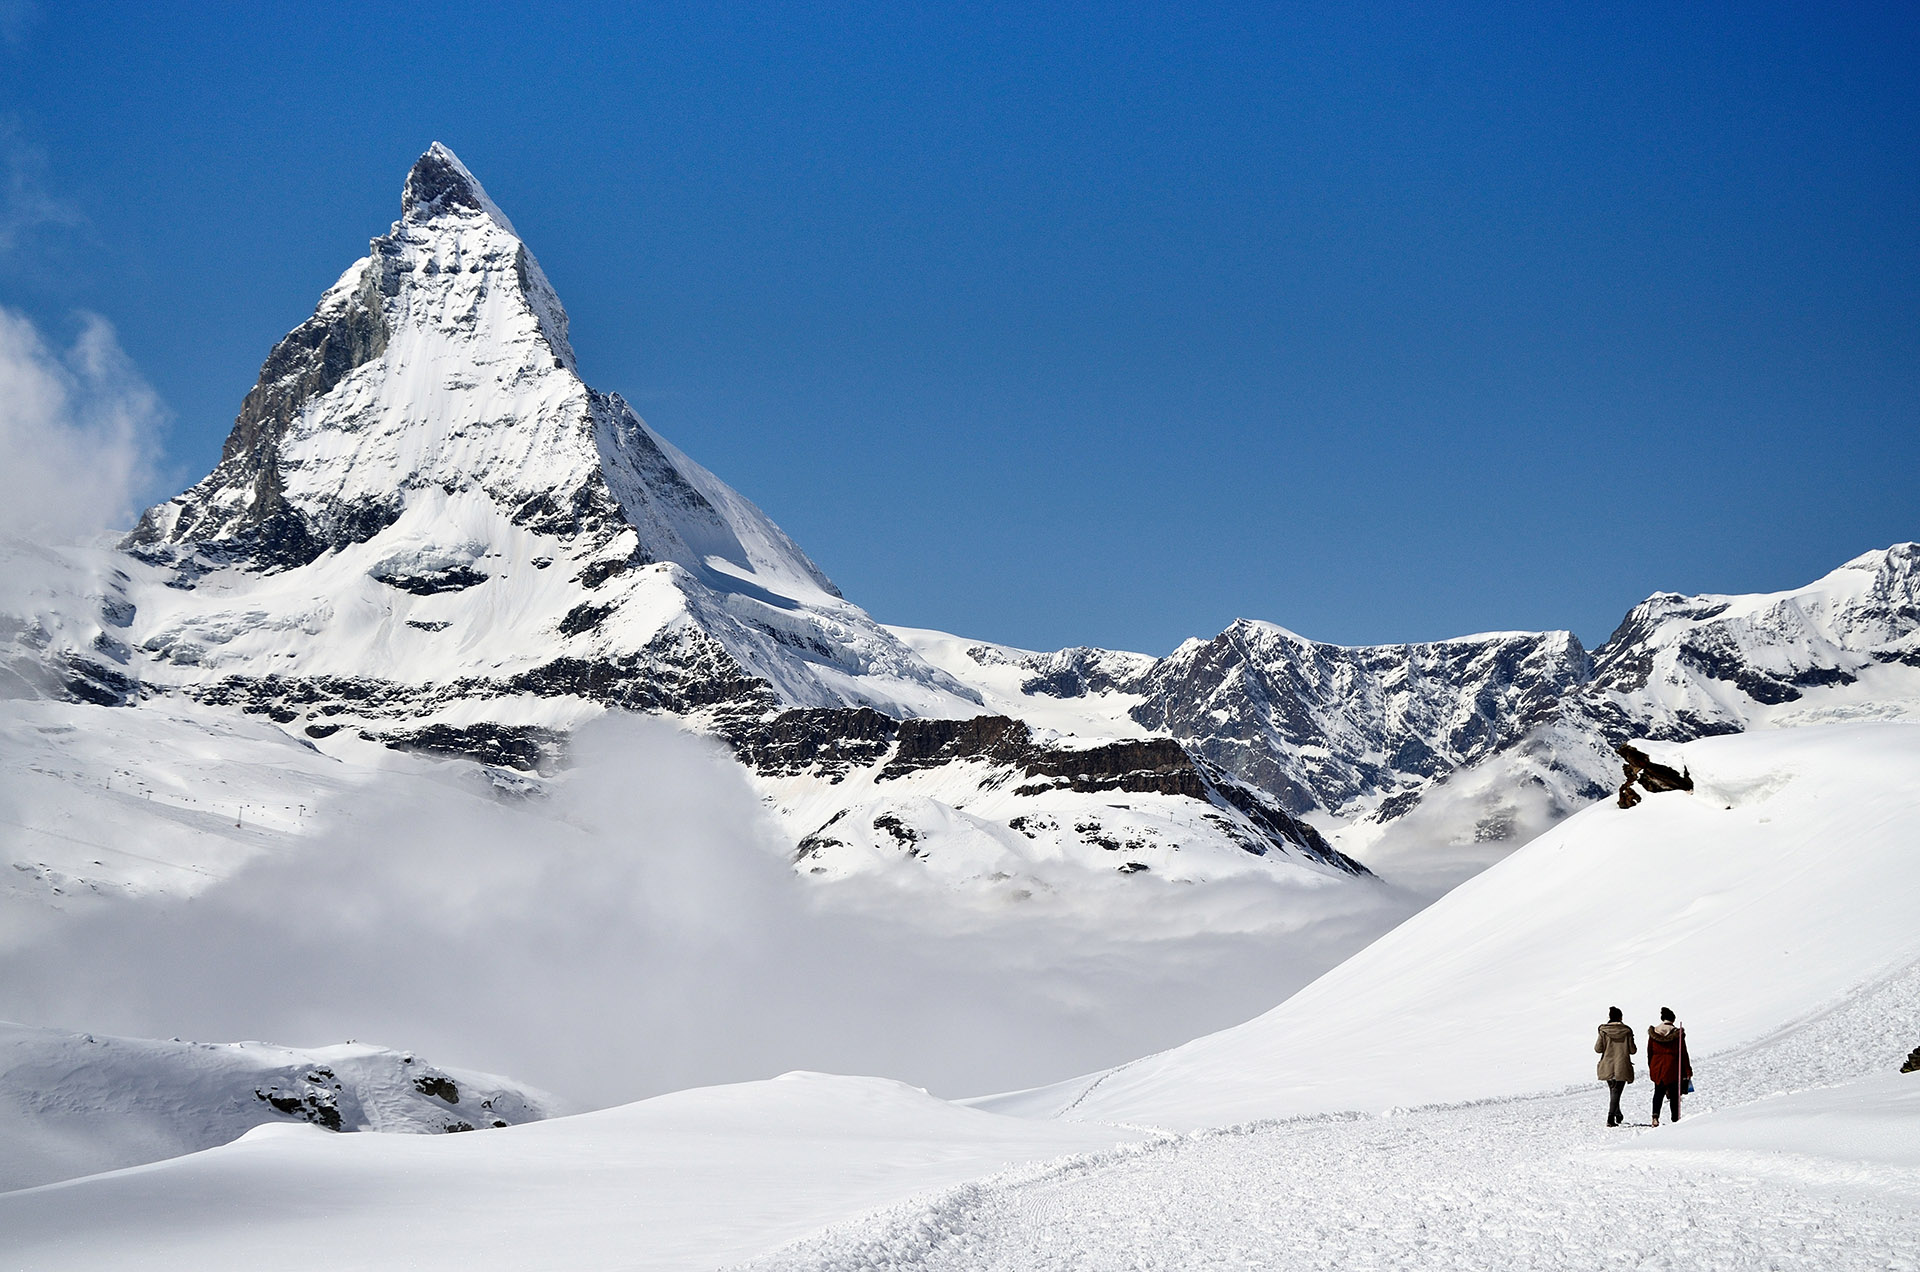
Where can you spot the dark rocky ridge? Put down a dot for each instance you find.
(260, 525)
(1652, 775)
(1254, 698)
(832, 743)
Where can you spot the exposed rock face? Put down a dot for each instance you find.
(1649, 773)
(998, 760)
(1330, 727)
(818, 741)
(242, 506)
(1490, 739)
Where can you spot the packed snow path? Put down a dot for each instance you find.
(1520, 1184)
(1529, 1182)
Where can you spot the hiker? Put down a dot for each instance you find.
(1668, 1063)
(1616, 1048)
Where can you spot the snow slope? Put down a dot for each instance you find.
(1780, 927)
(692, 1180)
(869, 1174)
(1757, 1175)
(167, 800)
(1785, 880)
(1872, 1123)
(77, 1104)
(1067, 691)
(1797, 1151)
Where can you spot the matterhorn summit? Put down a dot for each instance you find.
(421, 503)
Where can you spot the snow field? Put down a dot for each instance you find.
(692, 1180)
(1787, 880)
(1519, 1184)
(1827, 1178)
(1792, 1154)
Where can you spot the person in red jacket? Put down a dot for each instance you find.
(1668, 1063)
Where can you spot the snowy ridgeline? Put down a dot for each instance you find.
(427, 533)
(1772, 907)
(74, 1104)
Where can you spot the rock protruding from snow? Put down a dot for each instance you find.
(859, 789)
(77, 1104)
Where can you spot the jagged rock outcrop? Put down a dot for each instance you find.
(1497, 736)
(1000, 757)
(1333, 728)
(1652, 775)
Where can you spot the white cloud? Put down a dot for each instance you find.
(27, 207)
(76, 431)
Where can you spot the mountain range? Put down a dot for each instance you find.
(426, 532)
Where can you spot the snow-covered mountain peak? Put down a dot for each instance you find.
(439, 185)
(450, 508)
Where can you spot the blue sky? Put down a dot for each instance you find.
(1064, 324)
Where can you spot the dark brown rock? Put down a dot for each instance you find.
(1652, 776)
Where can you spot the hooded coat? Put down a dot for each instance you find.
(1616, 1047)
(1666, 1052)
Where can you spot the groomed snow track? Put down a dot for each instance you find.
(1530, 1182)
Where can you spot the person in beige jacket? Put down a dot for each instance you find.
(1616, 1047)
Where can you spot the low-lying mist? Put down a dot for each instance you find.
(639, 931)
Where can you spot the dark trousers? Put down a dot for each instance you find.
(1670, 1092)
(1614, 1115)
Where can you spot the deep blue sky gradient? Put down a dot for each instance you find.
(1065, 324)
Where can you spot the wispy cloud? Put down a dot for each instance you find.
(29, 210)
(77, 430)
